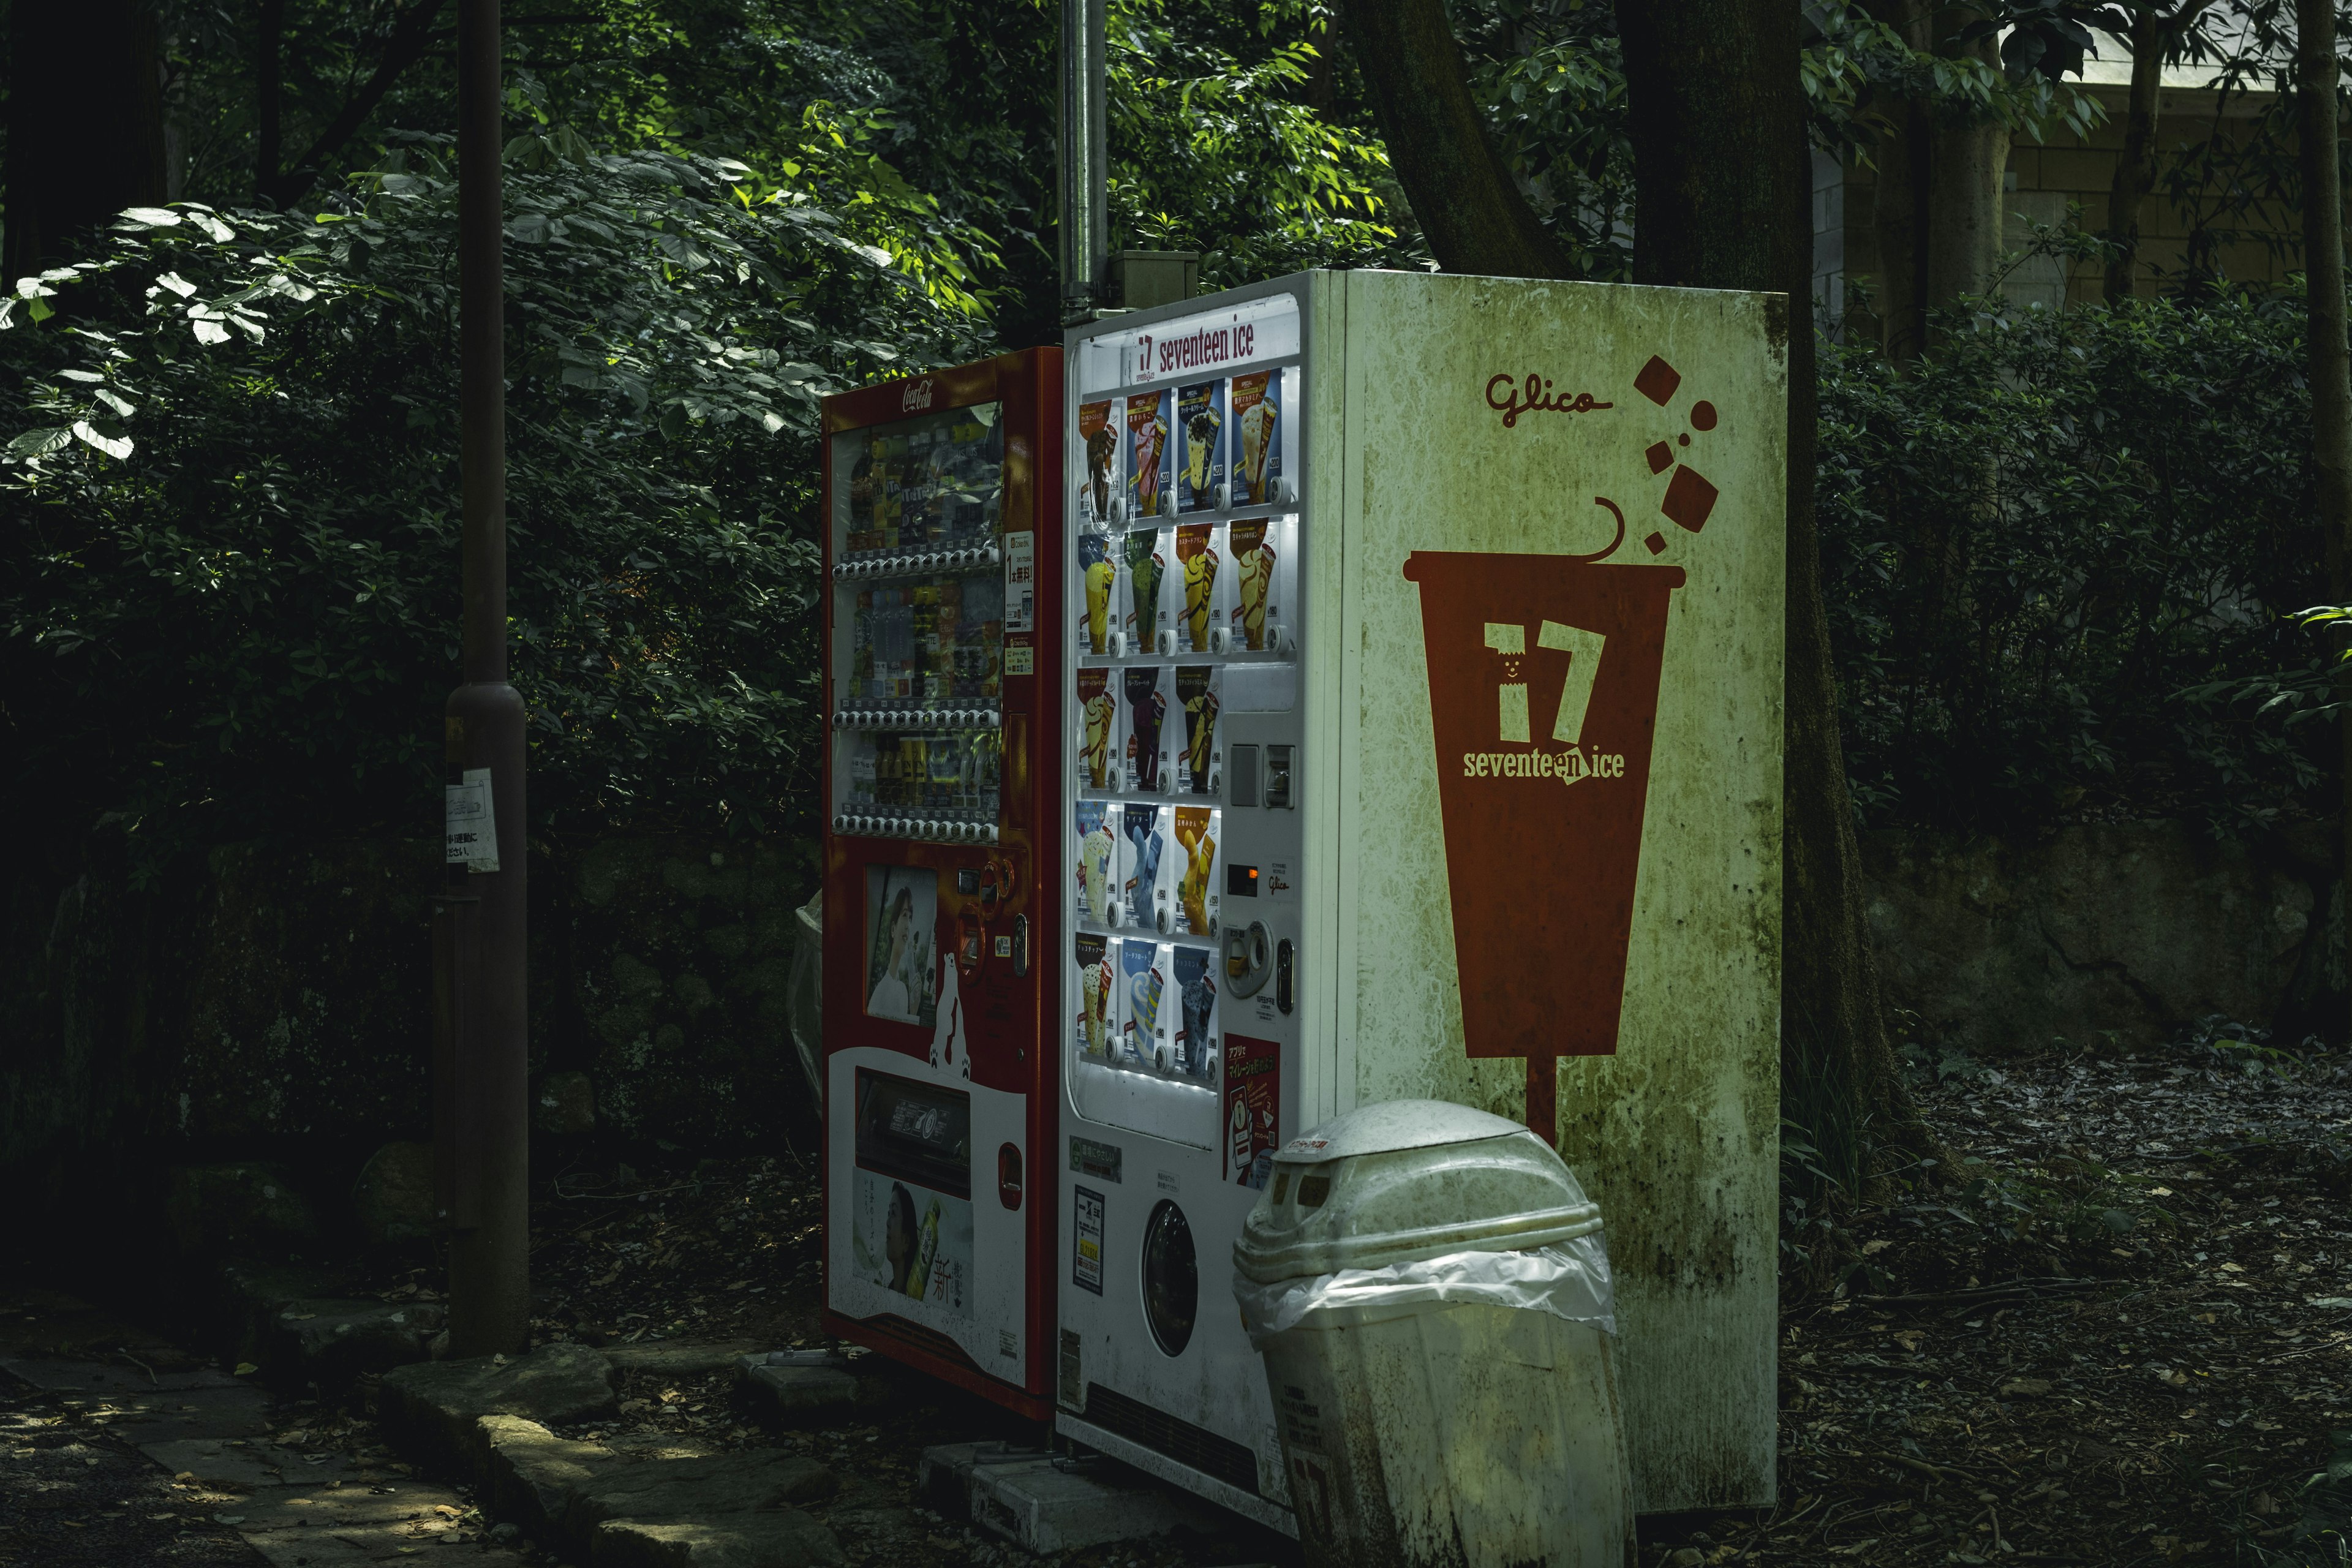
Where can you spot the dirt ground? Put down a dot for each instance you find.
(2118, 1334)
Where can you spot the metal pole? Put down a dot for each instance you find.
(1085, 135)
(481, 1131)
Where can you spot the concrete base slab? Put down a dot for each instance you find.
(1048, 1505)
(796, 1385)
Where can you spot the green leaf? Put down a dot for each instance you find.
(115, 445)
(39, 443)
(152, 217)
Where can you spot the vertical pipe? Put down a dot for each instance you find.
(1084, 136)
(480, 1094)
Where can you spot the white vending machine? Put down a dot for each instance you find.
(1425, 741)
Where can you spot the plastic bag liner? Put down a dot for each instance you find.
(1569, 1281)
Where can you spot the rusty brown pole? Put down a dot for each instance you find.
(481, 1127)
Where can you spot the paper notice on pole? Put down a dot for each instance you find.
(470, 836)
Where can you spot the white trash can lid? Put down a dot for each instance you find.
(1406, 1180)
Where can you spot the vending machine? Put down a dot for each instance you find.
(1424, 728)
(942, 680)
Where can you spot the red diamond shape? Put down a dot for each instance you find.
(1657, 381)
(1688, 498)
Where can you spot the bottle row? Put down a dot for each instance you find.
(933, 830)
(916, 560)
(1129, 879)
(1129, 740)
(935, 642)
(935, 482)
(1208, 447)
(1136, 606)
(959, 772)
(1126, 1018)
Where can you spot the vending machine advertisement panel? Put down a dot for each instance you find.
(1424, 677)
(943, 690)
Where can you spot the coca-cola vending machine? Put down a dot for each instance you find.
(1423, 644)
(941, 907)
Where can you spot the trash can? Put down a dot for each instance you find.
(1428, 1288)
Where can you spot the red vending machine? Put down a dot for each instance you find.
(943, 692)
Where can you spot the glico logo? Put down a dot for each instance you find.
(1572, 766)
(917, 395)
(1535, 398)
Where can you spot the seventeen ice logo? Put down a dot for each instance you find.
(1509, 639)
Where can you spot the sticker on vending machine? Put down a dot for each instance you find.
(1253, 1105)
(1086, 1243)
(1258, 443)
(1094, 565)
(1254, 563)
(1145, 568)
(1199, 424)
(1098, 858)
(1196, 1001)
(1149, 457)
(1196, 554)
(1098, 716)
(1147, 899)
(1099, 434)
(1097, 1015)
(1196, 889)
(1200, 764)
(1143, 980)
(1148, 731)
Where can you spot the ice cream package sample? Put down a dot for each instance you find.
(1097, 730)
(1196, 1003)
(1201, 431)
(1145, 830)
(1257, 437)
(1151, 456)
(1253, 563)
(1143, 980)
(1199, 767)
(1098, 1019)
(1097, 866)
(1098, 571)
(1148, 733)
(1146, 570)
(1196, 887)
(1098, 439)
(1196, 554)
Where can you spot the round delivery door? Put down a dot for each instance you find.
(1172, 1279)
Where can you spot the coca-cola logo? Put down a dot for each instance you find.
(917, 395)
(1536, 396)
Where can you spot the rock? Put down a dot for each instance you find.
(2025, 1388)
(223, 1209)
(393, 1198)
(533, 1474)
(249, 1299)
(439, 1404)
(794, 1384)
(746, 1481)
(565, 1104)
(787, 1540)
(943, 1476)
(334, 1343)
(679, 1359)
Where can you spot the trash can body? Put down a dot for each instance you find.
(1442, 1397)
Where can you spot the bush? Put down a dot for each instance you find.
(2048, 550)
(228, 600)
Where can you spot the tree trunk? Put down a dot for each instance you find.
(2136, 169)
(1970, 159)
(1723, 200)
(2331, 359)
(85, 124)
(1899, 221)
(1721, 175)
(1475, 217)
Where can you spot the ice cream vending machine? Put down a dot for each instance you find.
(1422, 738)
(941, 892)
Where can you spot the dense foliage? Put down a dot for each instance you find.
(228, 590)
(2049, 550)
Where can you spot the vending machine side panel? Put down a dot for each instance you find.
(1564, 512)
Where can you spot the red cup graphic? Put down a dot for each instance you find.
(1543, 696)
